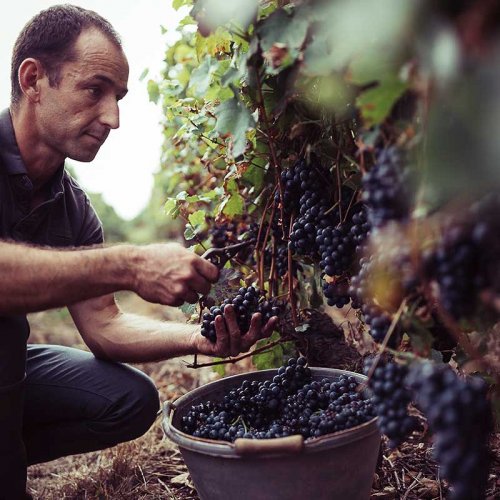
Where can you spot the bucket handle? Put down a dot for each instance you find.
(288, 444)
(168, 408)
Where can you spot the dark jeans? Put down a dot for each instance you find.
(72, 403)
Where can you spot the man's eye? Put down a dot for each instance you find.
(94, 91)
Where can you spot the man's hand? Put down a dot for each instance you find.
(230, 341)
(169, 274)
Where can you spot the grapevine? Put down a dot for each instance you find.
(370, 196)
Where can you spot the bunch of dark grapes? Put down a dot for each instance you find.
(465, 261)
(246, 302)
(391, 399)
(360, 227)
(313, 217)
(336, 247)
(339, 244)
(282, 261)
(378, 320)
(223, 234)
(388, 188)
(460, 417)
(309, 197)
(291, 403)
(291, 183)
(337, 293)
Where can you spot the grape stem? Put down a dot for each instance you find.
(238, 358)
(383, 347)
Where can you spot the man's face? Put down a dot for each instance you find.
(75, 118)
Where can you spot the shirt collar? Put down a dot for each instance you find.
(10, 155)
(9, 151)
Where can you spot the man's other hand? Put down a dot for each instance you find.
(169, 274)
(230, 340)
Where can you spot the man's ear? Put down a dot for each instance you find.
(29, 74)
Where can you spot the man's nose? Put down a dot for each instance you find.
(110, 114)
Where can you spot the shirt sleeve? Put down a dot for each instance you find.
(91, 232)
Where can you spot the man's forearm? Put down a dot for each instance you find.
(133, 338)
(33, 279)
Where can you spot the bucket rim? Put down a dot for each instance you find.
(226, 449)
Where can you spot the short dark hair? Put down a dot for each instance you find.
(50, 37)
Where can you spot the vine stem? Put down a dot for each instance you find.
(261, 256)
(291, 294)
(270, 139)
(388, 335)
(238, 358)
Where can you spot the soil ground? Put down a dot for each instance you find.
(151, 467)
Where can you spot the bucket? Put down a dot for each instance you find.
(337, 466)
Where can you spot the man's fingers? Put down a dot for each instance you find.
(233, 329)
(254, 332)
(200, 284)
(222, 345)
(191, 296)
(269, 327)
(207, 269)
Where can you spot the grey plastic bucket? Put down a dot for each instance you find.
(337, 466)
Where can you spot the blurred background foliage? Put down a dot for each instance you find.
(325, 64)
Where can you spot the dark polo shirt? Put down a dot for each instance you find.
(65, 219)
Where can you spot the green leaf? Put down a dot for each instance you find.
(376, 103)
(420, 337)
(201, 77)
(220, 369)
(212, 14)
(197, 218)
(186, 21)
(233, 120)
(144, 74)
(188, 309)
(273, 358)
(230, 76)
(233, 205)
(255, 176)
(177, 4)
(282, 28)
(190, 232)
(170, 207)
(153, 91)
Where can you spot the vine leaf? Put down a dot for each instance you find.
(197, 218)
(376, 103)
(272, 358)
(177, 4)
(153, 91)
(212, 14)
(190, 232)
(171, 208)
(232, 205)
(219, 369)
(233, 120)
(281, 28)
(201, 77)
(188, 309)
(229, 281)
(420, 337)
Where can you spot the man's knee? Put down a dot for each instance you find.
(135, 408)
(145, 401)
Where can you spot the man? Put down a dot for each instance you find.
(68, 74)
